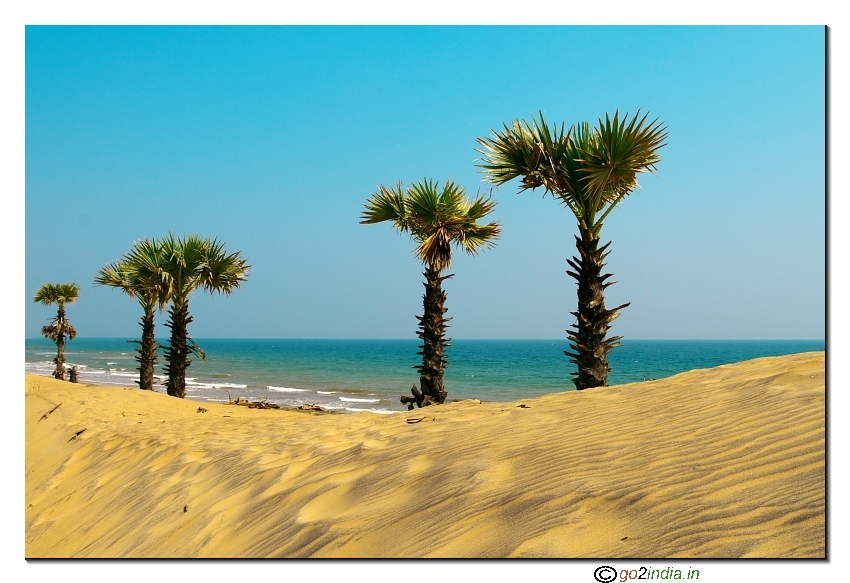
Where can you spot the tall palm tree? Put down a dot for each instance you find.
(590, 170)
(139, 274)
(59, 327)
(188, 264)
(436, 219)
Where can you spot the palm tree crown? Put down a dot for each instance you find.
(198, 262)
(57, 293)
(588, 170)
(435, 218)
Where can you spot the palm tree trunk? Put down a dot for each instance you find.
(147, 353)
(588, 342)
(59, 371)
(177, 354)
(432, 331)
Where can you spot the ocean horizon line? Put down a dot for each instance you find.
(464, 339)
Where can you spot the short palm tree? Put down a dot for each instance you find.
(139, 274)
(590, 170)
(188, 264)
(436, 218)
(59, 327)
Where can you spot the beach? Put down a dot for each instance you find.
(721, 462)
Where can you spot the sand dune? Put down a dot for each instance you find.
(722, 462)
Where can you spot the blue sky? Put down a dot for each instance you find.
(271, 138)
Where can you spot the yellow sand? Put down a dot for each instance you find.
(723, 462)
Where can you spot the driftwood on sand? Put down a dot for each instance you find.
(266, 405)
(251, 404)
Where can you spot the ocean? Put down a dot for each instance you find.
(370, 375)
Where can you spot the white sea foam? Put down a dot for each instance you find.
(111, 363)
(286, 389)
(350, 400)
(327, 392)
(379, 411)
(217, 385)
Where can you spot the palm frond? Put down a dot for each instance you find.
(195, 349)
(512, 153)
(115, 275)
(386, 205)
(423, 204)
(171, 263)
(434, 250)
(480, 208)
(222, 272)
(181, 262)
(618, 152)
(481, 237)
(195, 251)
(58, 327)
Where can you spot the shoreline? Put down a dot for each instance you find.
(371, 375)
(720, 462)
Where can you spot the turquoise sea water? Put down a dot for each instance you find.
(357, 375)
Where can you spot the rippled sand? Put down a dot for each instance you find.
(722, 462)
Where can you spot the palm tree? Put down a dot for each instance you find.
(188, 264)
(590, 171)
(139, 275)
(435, 219)
(59, 327)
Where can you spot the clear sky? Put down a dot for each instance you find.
(272, 138)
